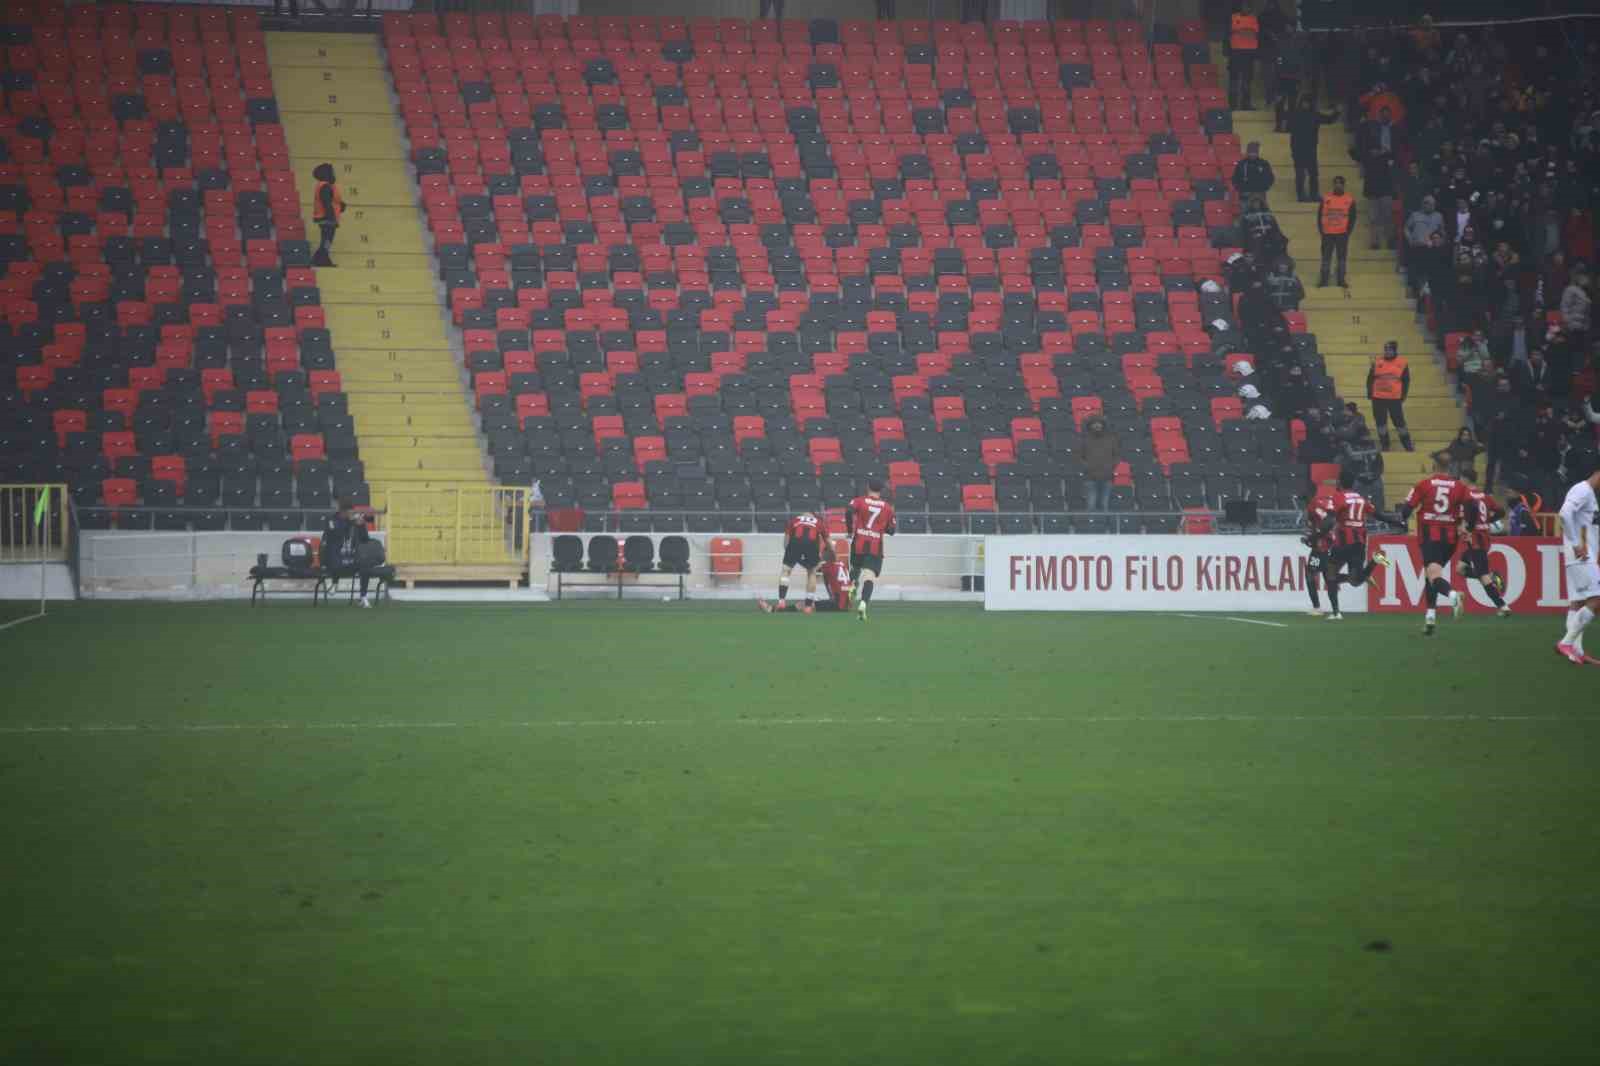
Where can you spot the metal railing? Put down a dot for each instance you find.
(28, 535)
(913, 523)
(459, 525)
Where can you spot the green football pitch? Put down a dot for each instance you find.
(695, 834)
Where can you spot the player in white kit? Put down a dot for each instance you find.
(1580, 547)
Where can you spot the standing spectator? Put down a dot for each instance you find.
(327, 207)
(1288, 64)
(1252, 175)
(1553, 280)
(1295, 396)
(774, 9)
(1388, 385)
(1502, 416)
(1099, 452)
(1575, 304)
(1305, 124)
(1378, 141)
(1244, 41)
(1531, 379)
(1423, 225)
(1473, 354)
(1335, 219)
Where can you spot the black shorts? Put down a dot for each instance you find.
(1352, 557)
(1475, 563)
(1437, 552)
(802, 553)
(860, 561)
(1317, 561)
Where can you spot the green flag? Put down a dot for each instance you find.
(41, 507)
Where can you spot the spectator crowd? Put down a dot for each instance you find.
(1479, 156)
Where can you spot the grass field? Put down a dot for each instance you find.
(694, 834)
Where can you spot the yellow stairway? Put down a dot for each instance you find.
(1352, 324)
(407, 395)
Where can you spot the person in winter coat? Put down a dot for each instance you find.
(1252, 175)
(1099, 452)
(1284, 286)
(1304, 123)
(1377, 143)
(342, 534)
(1575, 304)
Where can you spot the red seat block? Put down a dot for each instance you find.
(977, 498)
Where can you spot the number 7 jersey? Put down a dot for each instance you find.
(869, 518)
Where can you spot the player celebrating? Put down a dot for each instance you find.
(836, 579)
(1347, 557)
(1579, 541)
(1440, 502)
(1319, 513)
(868, 520)
(1487, 512)
(802, 546)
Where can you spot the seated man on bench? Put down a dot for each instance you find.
(342, 536)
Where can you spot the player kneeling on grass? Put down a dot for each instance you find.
(1579, 544)
(1488, 518)
(802, 543)
(868, 520)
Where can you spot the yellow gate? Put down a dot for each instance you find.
(483, 527)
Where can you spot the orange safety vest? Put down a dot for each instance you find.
(1386, 375)
(1336, 213)
(1246, 33)
(316, 203)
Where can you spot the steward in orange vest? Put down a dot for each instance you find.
(1388, 383)
(1336, 217)
(1244, 41)
(327, 208)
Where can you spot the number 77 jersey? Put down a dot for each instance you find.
(869, 518)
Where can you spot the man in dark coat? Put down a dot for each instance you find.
(1305, 122)
(344, 532)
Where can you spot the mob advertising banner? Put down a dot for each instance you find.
(1535, 578)
(1199, 573)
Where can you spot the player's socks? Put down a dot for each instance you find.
(1316, 601)
(866, 591)
(1492, 587)
(1333, 594)
(1577, 621)
(1442, 586)
(1430, 597)
(783, 595)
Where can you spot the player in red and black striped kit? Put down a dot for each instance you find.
(1318, 513)
(1442, 504)
(802, 547)
(868, 520)
(1346, 526)
(1475, 559)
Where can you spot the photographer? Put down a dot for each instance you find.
(344, 532)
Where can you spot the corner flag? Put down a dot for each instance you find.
(42, 506)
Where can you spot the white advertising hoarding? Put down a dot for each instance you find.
(1137, 573)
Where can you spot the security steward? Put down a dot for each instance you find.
(1336, 217)
(1388, 384)
(1244, 42)
(327, 206)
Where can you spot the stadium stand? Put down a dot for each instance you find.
(735, 268)
(164, 344)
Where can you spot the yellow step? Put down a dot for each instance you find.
(335, 139)
(350, 93)
(394, 358)
(405, 286)
(337, 50)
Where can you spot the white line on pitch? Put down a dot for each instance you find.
(1230, 618)
(657, 723)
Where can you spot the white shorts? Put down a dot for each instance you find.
(1583, 580)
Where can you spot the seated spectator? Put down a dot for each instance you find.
(1319, 445)
(1460, 453)
(344, 532)
(1295, 396)
(1283, 285)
